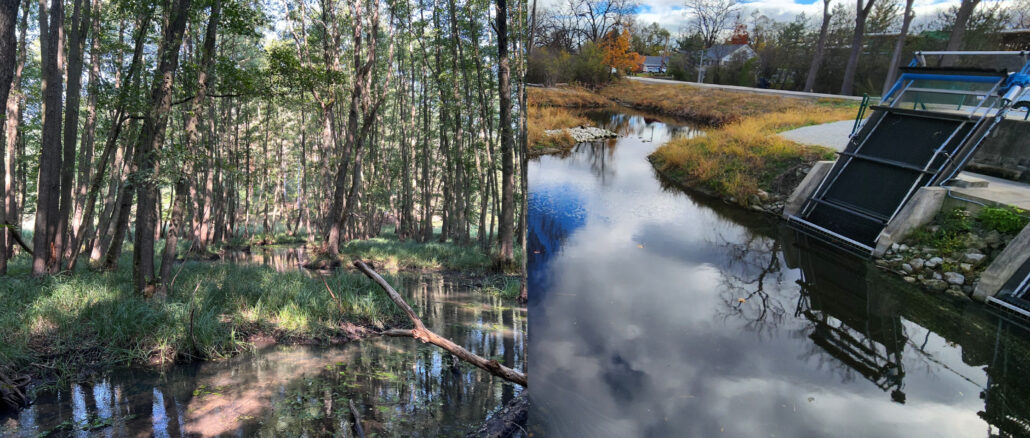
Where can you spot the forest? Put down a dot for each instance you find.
(146, 139)
(175, 126)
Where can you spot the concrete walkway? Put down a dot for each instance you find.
(783, 93)
(833, 135)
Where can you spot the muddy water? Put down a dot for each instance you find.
(659, 313)
(400, 386)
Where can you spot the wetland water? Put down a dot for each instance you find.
(401, 386)
(658, 313)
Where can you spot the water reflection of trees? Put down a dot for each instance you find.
(753, 270)
(401, 386)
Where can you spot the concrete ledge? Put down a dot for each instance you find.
(804, 190)
(919, 211)
(1003, 266)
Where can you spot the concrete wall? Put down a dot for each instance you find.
(918, 211)
(1004, 266)
(1005, 152)
(804, 190)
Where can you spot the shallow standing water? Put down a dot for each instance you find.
(401, 386)
(658, 313)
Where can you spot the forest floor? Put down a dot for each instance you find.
(71, 327)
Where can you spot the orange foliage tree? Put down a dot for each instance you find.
(617, 54)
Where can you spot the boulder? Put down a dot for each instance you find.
(954, 278)
(936, 285)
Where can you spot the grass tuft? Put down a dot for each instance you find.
(746, 156)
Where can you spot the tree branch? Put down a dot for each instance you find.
(423, 334)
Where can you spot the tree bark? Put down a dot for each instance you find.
(820, 46)
(12, 63)
(861, 13)
(51, 31)
(899, 47)
(149, 146)
(423, 334)
(958, 30)
(76, 39)
(506, 229)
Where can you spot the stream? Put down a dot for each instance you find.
(401, 386)
(660, 313)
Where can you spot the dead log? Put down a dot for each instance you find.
(506, 421)
(17, 237)
(423, 334)
(358, 430)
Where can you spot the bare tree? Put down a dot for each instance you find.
(711, 17)
(820, 46)
(861, 13)
(601, 16)
(899, 46)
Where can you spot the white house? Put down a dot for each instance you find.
(655, 64)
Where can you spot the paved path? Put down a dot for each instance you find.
(833, 135)
(783, 93)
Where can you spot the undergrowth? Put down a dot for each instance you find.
(94, 319)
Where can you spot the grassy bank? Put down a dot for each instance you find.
(549, 108)
(566, 97)
(59, 326)
(742, 159)
(389, 253)
(708, 106)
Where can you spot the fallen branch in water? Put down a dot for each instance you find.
(423, 334)
(358, 430)
(12, 395)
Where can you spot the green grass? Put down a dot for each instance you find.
(388, 252)
(94, 319)
(950, 231)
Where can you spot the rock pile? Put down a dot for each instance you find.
(584, 133)
(955, 273)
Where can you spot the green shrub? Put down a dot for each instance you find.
(1008, 220)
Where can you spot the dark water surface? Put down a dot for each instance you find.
(401, 386)
(657, 313)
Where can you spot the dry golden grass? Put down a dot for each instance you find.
(707, 106)
(743, 157)
(546, 118)
(566, 96)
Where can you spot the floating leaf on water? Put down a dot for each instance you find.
(741, 300)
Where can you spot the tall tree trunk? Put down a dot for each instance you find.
(149, 146)
(899, 47)
(958, 30)
(11, 68)
(76, 40)
(507, 226)
(88, 140)
(51, 31)
(182, 183)
(861, 13)
(820, 46)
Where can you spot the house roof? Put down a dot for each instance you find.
(720, 51)
(656, 60)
